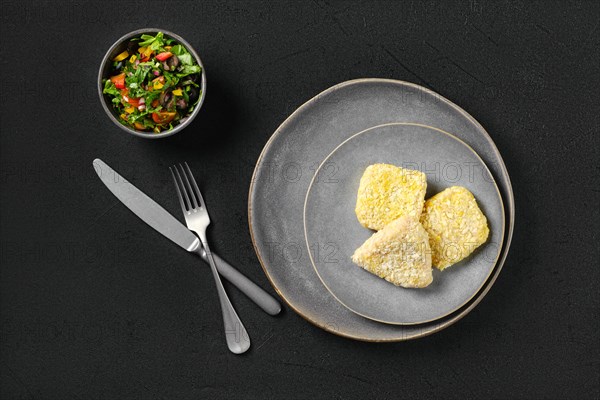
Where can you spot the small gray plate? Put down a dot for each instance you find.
(333, 232)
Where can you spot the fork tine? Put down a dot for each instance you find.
(196, 188)
(179, 196)
(182, 187)
(189, 187)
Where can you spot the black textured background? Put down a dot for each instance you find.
(95, 305)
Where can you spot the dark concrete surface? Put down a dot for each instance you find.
(95, 305)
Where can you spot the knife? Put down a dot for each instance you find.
(158, 218)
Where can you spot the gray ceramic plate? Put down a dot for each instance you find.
(288, 163)
(333, 232)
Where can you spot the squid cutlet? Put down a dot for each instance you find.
(399, 253)
(455, 224)
(387, 192)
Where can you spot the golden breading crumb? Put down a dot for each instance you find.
(455, 224)
(399, 253)
(387, 192)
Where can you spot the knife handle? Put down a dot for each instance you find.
(257, 294)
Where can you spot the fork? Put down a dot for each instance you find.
(197, 220)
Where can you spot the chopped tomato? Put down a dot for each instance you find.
(163, 117)
(119, 81)
(134, 101)
(163, 56)
(139, 126)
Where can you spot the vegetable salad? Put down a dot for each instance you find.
(155, 83)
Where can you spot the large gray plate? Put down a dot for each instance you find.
(333, 231)
(288, 162)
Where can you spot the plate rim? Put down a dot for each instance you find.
(510, 201)
(495, 185)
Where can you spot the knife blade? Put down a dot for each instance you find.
(160, 219)
(147, 209)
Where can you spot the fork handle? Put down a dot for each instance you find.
(235, 332)
(254, 292)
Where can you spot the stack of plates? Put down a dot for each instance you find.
(303, 193)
